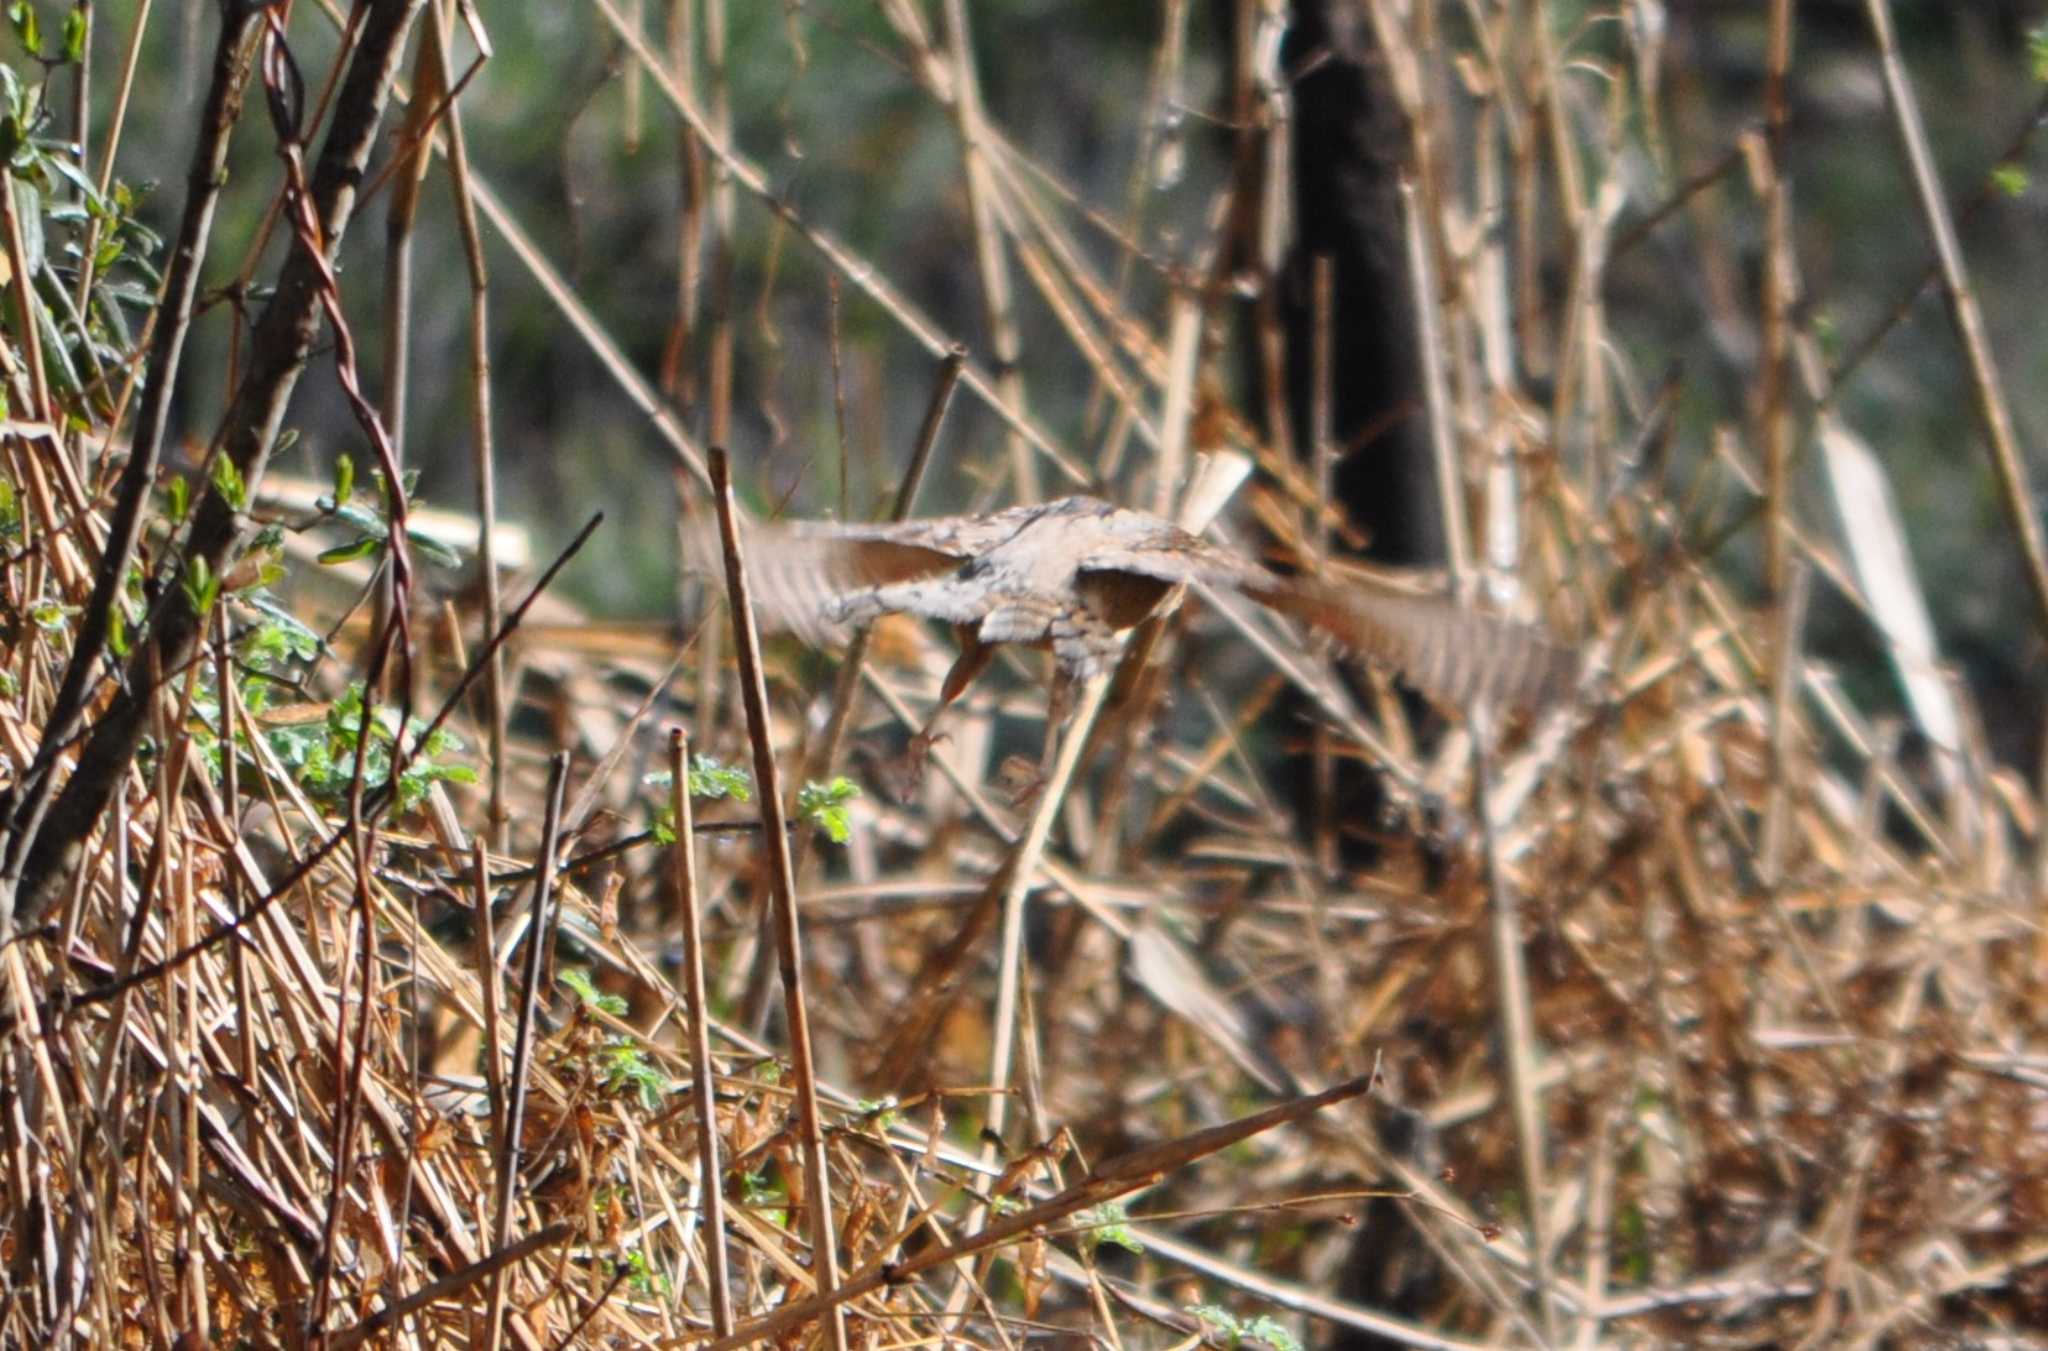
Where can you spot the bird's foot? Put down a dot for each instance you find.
(1020, 779)
(902, 776)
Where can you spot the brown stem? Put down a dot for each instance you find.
(233, 60)
(282, 342)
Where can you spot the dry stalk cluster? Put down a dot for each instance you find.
(1703, 1007)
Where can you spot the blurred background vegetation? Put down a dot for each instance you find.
(590, 161)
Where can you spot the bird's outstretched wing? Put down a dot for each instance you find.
(801, 573)
(1450, 654)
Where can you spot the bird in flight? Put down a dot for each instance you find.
(1074, 574)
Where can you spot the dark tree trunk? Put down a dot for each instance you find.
(1349, 141)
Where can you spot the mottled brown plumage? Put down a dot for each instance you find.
(1074, 574)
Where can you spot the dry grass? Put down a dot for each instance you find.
(1707, 1010)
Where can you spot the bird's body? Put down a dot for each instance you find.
(1070, 575)
(1075, 573)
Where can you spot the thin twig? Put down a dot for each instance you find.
(788, 941)
(998, 305)
(690, 919)
(1517, 1018)
(1450, 479)
(1776, 307)
(2015, 490)
(846, 687)
(505, 1160)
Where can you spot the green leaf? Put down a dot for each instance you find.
(2037, 54)
(368, 522)
(227, 481)
(2010, 179)
(1271, 1331)
(757, 1189)
(61, 165)
(709, 780)
(824, 806)
(299, 641)
(586, 991)
(60, 369)
(712, 781)
(178, 498)
(363, 547)
(266, 647)
(626, 1066)
(202, 588)
(126, 292)
(1108, 1223)
(879, 1112)
(26, 26)
(74, 36)
(117, 630)
(344, 478)
(434, 550)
